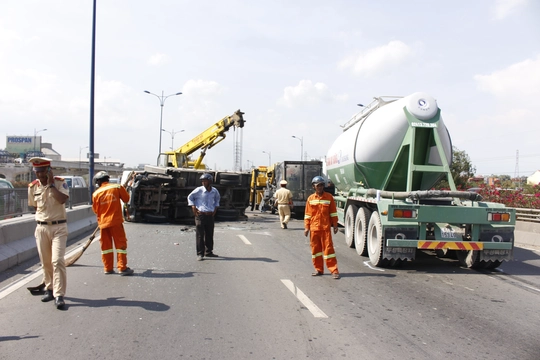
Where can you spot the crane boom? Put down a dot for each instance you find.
(180, 158)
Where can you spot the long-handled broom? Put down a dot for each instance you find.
(76, 255)
(40, 289)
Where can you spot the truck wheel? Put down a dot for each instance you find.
(226, 176)
(375, 241)
(492, 264)
(349, 225)
(228, 182)
(360, 230)
(469, 258)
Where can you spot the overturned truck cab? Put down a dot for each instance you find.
(159, 194)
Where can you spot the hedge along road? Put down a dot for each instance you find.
(258, 300)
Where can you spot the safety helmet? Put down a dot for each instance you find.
(101, 177)
(318, 180)
(206, 177)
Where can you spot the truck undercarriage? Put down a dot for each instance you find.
(159, 194)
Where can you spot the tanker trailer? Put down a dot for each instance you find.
(384, 166)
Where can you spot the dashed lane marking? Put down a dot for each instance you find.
(244, 239)
(314, 309)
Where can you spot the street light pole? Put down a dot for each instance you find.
(162, 99)
(172, 136)
(35, 133)
(269, 157)
(301, 146)
(80, 149)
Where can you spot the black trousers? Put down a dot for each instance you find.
(204, 235)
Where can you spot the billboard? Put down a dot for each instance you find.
(22, 144)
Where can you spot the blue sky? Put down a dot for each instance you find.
(294, 67)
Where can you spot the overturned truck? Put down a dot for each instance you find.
(159, 194)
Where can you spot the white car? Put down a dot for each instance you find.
(74, 181)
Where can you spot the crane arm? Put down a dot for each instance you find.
(205, 140)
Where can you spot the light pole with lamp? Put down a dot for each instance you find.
(301, 146)
(80, 150)
(161, 102)
(172, 136)
(35, 133)
(269, 157)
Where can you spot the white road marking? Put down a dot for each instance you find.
(19, 283)
(33, 275)
(244, 239)
(314, 309)
(368, 264)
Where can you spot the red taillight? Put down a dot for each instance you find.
(499, 217)
(404, 213)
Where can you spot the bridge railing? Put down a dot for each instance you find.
(528, 215)
(14, 202)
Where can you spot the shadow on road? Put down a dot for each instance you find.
(14, 338)
(116, 301)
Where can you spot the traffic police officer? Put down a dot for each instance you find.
(48, 194)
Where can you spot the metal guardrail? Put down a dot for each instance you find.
(14, 202)
(528, 215)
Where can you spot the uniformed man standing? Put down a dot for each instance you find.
(48, 194)
(284, 202)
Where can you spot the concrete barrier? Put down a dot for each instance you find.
(17, 241)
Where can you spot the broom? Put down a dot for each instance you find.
(40, 289)
(76, 255)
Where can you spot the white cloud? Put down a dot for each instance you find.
(159, 59)
(377, 60)
(505, 8)
(519, 82)
(308, 93)
(202, 88)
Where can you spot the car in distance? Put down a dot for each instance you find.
(74, 181)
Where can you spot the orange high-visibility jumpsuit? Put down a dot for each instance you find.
(106, 204)
(320, 216)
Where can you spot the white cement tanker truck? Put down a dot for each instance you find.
(384, 166)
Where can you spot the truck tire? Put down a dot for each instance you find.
(228, 182)
(226, 215)
(375, 241)
(469, 258)
(360, 231)
(350, 214)
(492, 264)
(226, 176)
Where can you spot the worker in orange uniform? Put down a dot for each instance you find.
(320, 216)
(106, 204)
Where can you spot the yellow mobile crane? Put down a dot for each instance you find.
(180, 158)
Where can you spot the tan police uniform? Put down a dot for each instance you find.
(284, 201)
(51, 230)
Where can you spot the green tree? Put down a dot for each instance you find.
(461, 168)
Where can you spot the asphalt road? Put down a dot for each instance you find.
(258, 300)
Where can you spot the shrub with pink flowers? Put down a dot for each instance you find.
(528, 198)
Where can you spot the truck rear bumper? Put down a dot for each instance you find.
(450, 245)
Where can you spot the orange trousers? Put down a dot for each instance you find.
(117, 235)
(322, 248)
